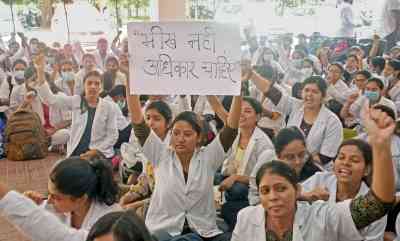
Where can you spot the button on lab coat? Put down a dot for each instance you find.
(173, 200)
(375, 231)
(326, 133)
(104, 131)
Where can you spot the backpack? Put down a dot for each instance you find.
(25, 137)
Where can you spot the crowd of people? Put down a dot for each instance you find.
(310, 150)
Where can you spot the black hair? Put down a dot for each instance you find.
(118, 90)
(88, 55)
(192, 119)
(352, 56)
(123, 225)
(395, 64)
(255, 104)
(296, 90)
(300, 51)
(287, 135)
(112, 58)
(378, 81)
(379, 62)
(162, 108)
(76, 177)
(365, 73)
(108, 79)
(317, 80)
(19, 61)
(65, 61)
(279, 168)
(389, 111)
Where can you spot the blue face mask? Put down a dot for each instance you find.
(373, 96)
(121, 104)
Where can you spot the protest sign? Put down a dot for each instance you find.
(196, 58)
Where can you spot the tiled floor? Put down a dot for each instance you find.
(22, 176)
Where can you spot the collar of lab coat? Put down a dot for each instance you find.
(97, 115)
(259, 221)
(257, 134)
(320, 121)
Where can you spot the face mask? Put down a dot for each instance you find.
(268, 57)
(34, 49)
(307, 71)
(51, 60)
(121, 104)
(68, 76)
(19, 75)
(373, 96)
(297, 63)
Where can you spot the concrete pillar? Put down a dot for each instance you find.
(168, 10)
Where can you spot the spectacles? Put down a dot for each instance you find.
(303, 156)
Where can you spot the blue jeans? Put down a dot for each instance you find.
(236, 199)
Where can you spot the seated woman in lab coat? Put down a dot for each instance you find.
(290, 147)
(158, 117)
(185, 203)
(349, 179)
(93, 129)
(247, 148)
(280, 216)
(80, 192)
(119, 226)
(337, 88)
(322, 128)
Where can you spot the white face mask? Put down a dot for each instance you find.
(307, 71)
(268, 57)
(67, 76)
(297, 63)
(19, 75)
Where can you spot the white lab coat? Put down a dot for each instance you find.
(42, 225)
(104, 131)
(375, 231)
(122, 121)
(100, 62)
(60, 83)
(394, 94)
(355, 108)
(320, 221)
(266, 156)
(326, 133)
(340, 91)
(174, 200)
(259, 142)
(395, 150)
(96, 211)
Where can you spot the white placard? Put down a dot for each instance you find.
(194, 58)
